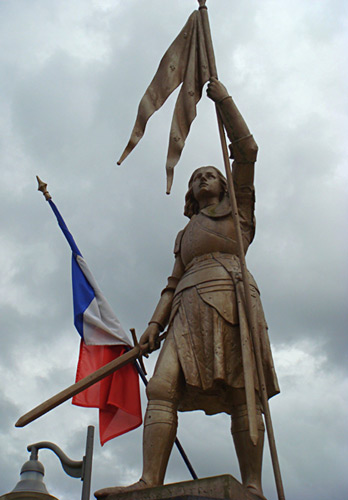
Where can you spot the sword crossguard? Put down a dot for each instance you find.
(140, 358)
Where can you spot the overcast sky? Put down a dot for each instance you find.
(72, 74)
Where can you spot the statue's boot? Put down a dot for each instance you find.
(249, 455)
(105, 492)
(160, 426)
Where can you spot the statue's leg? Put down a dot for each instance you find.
(249, 456)
(160, 422)
(160, 426)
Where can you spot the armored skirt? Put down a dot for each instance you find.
(208, 314)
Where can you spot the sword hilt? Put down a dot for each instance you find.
(136, 343)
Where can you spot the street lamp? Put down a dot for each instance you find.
(31, 485)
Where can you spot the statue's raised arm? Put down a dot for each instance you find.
(243, 146)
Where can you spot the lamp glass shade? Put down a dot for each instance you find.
(31, 485)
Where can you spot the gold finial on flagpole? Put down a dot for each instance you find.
(43, 188)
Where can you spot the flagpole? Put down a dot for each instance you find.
(249, 309)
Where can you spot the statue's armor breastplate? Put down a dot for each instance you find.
(204, 235)
(208, 251)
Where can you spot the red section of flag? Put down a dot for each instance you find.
(117, 396)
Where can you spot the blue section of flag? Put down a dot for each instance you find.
(65, 229)
(83, 293)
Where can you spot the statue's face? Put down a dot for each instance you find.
(206, 183)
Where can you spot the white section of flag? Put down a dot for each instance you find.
(100, 325)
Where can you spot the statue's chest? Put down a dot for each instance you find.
(206, 235)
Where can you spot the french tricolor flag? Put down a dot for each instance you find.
(102, 340)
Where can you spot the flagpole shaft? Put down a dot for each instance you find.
(208, 40)
(249, 308)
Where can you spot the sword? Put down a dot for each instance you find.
(135, 353)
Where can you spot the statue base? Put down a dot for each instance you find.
(224, 487)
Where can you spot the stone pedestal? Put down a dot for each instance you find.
(224, 487)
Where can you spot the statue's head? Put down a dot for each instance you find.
(191, 203)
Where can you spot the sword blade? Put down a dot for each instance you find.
(83, 384)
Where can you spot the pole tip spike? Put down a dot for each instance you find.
(42, 186)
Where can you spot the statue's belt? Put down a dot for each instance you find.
(206, 271)
(217, 270)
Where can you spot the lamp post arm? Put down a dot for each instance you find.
(73, 468)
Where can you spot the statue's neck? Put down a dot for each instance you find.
(207, 203)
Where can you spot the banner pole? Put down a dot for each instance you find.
(250, 315)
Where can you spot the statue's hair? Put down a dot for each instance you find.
(191, 204)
